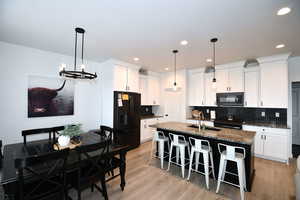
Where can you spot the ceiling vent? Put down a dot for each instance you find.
(251, 63)
(209, 69)
(143, 71)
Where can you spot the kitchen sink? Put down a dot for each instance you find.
(206, 127)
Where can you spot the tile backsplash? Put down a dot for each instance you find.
(266, 115)
(146, 110)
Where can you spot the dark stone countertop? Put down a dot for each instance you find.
(151, 116)
(232, 135)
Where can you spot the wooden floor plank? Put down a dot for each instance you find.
(273, 181)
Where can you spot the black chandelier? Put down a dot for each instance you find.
(77, 74)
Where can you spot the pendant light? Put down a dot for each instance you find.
(214, 80)
(77, 74)
(175, 84)
(174, 87)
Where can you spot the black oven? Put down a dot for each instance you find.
(230, 99)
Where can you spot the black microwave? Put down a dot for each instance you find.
(230, 99)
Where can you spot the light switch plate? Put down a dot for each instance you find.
(277, 114)
(263, 114)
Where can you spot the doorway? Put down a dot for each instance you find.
(296, 118)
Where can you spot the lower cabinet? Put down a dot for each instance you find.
(146, 130)
(271, 143)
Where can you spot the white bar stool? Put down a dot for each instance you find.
(179, 142)
(201, 147)
(229, 153)
(160, 138)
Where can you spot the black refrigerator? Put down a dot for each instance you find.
(127, 118)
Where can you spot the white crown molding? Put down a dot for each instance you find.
(196, 70)
(274, 58)
(117, 62)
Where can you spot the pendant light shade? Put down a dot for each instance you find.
(175, 87)
(81, 73)
(214, 80)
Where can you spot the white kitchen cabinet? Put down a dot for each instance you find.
(147, 131)
(154, 90)
(236, 80)
(144, 90)
(251, 96)
(259, 143)
(271, 143)
(275, 145)
(274, 84)
(222, 80)
(230, 79)
(150, 90)
(196, 89)
(126, 79)
(210, 93)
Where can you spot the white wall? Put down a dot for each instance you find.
(17, 62)
(294, 75)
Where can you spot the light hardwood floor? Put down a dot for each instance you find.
(273, 181)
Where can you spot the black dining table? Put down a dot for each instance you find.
(21, 150)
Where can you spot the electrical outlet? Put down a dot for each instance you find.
(207, 111)
(263, 114)
(277, 114)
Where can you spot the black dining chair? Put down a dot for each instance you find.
(42, 176)
(50, 131)
(90, 172)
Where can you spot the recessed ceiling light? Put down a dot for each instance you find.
(208, 60)
(279, 46)
(136, 59)
(166, 68)
(184, 42)
(283, 11)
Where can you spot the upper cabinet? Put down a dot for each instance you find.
(274, 82)
(150, 90)
(210, 93)
(196, 88)
(154, 90)
(251, 96)
(236, 80)
(230, 79)
(126, 78)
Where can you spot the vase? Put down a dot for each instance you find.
(63, 140)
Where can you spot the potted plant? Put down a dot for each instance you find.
(70, 132)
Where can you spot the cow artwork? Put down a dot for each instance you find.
(50, 97)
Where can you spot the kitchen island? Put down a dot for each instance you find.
(214, 136)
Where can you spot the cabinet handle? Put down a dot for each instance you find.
(261, 103)
(261, 137)
(245, 103)
(202, 102)
(265, 137)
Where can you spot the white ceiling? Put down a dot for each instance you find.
(150, 29)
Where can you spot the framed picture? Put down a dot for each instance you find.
(50, 97)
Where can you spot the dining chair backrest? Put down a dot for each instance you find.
(176, 138)
(231, 150)
(90, 156)
(44, 173)
(50, 131)
(198, 143)
(106, 132)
